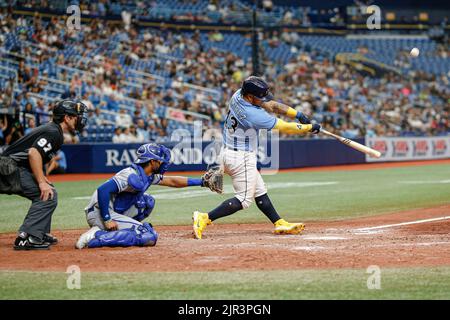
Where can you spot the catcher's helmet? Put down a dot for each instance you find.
(257, 87)
(71, 108)
(154, 151)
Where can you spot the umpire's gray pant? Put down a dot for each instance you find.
(39, 218)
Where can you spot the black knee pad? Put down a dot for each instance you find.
(262, 200)
(234, 204)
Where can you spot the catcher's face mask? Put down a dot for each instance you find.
(159, 167)
(164, 165)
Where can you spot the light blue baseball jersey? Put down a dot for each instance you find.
(243, 122)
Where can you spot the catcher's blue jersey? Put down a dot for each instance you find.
(243, 122)
(121, 179)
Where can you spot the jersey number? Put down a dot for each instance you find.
(46, 146)
(231, 122)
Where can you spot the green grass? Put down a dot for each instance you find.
(302, 284)
(357, 193)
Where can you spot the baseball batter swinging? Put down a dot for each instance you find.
(248, 112)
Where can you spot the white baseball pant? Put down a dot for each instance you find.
(241, 167)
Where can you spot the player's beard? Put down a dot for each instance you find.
(157, 170)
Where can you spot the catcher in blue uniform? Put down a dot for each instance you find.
(118, 207)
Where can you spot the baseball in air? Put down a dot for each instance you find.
(414, 52)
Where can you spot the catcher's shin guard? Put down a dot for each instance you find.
(145, 205)
(142, 236)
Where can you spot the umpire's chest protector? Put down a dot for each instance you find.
(9, 176)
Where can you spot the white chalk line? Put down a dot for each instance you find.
(402, 224)
(425, 182)
(309, 248)
(419, 244)
(387, 245)
(323, 238)
(172, 193)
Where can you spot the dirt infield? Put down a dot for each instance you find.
(422, 239)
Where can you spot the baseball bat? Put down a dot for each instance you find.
(353, 144)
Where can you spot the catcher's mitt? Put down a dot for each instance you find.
(213, 179)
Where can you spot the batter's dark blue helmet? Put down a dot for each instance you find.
(257, 87)
(154, 151)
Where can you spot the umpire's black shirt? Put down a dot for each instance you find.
(47, 139)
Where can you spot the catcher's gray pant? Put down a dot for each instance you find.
(94, 218)
(39, 218)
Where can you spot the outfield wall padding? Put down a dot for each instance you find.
(107, 158)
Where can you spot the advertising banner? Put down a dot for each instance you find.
(409, 148)
(196, 156)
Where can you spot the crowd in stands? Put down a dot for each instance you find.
(203, 11)
(330, 92)
(355, 105)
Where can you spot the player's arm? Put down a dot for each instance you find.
(41, 149)
(104, 195)
(212, 179)
(179, 182)
(51, 166)
(295, 128)
(37, 167)
(285, 110)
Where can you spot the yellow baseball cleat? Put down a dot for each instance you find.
(284, 227)
(200, 221)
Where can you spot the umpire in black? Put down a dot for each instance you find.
(22, 173)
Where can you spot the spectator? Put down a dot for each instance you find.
(267, 5)
(137, 115)
(87, 102)
(126, 136)
(123, 119)
(58, 164)
(70, 138)
(117, 137)
(41, 112)
(216, 36)
(31, 125)
(3, 128)
(69, 94)
(136, 137)
(28, 99)
(15, 133)
(142, 131)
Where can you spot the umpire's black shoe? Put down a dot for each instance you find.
(30, 242)
(50, 239)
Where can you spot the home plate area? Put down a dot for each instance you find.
(414, 238)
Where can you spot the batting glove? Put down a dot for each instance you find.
(315, 128)
(302, 118)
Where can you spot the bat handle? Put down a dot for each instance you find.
(328, 133)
